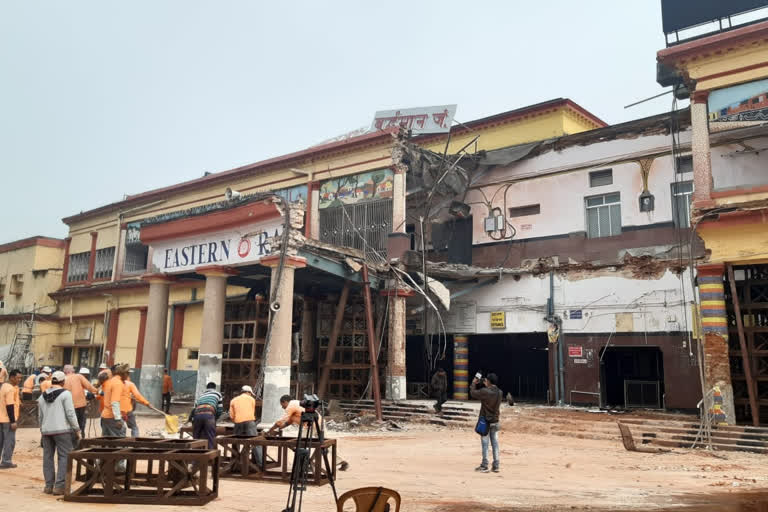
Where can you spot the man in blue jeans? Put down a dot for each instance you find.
(490, 398)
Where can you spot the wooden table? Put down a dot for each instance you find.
(275, 465)
(179, 477)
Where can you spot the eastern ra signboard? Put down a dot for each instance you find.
(420, 120)
(247, 244)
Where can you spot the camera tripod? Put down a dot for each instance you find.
(302, 458)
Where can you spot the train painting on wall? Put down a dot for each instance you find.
(744, 102)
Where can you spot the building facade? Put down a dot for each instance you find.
(724, 72)
(583, 295)
(30, 269)
(130, 272)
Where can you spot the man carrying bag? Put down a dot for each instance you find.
(490, 398)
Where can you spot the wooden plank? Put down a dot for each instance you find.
(746, 359)
(325, 370)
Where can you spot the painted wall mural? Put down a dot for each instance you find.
(744, 102)
(367, 186)
(293, 194)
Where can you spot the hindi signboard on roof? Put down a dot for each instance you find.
(420, 120)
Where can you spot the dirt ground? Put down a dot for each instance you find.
(433, 469)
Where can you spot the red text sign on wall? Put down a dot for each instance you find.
(575, 351)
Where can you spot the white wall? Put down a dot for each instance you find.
(609, 302)
(561, 196)
(732, 167)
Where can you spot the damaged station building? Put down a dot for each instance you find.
(539, 244)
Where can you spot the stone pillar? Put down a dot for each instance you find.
(314, 210)
(396, 385)
(460, 367)
(717, 365)
(153, 356)
(212, 336)
(307, 363)
(277, 369)
(702, 167)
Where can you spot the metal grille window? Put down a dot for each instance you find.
(681, 203)
(136, 253)
(600, 178)
(104, 260)
(78, 267)
(347, 225)
(603, 215)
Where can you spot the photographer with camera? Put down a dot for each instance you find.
(490, 398)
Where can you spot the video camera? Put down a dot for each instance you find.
(310, 403)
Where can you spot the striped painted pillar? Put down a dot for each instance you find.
(712, 297)
(714, 324)
(460, 367)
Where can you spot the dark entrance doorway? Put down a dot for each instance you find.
(632, 377)
(520, 361)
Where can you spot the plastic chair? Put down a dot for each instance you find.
(369, 499)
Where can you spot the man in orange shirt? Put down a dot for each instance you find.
(76, 384)
(10, 406)
(292, 416)
(167, 390)
(242, 412)
(128, 401)
(28, 390)
(45, 379)
(112, 424)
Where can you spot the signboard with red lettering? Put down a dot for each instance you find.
(575, 351)
(420, 120)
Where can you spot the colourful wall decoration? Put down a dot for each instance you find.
(744, 102)
(357, 188)
(293, 194)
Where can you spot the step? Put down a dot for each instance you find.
(404, 410)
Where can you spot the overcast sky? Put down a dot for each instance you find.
(100, 98)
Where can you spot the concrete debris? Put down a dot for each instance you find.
(364, 422)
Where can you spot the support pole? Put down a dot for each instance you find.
(371, 342)
(745, 356)
(326, 369)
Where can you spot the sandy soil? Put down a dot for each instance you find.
(433, 469)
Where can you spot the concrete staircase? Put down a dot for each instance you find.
(669, 433)
(455, 414)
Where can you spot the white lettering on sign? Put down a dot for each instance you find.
(247, 244)
(580, 361)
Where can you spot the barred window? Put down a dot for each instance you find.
(136, 253)
(363, 225)
(78, 267)
(104, 260)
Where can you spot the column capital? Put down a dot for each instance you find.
(158, 278)
(711, 270)
(216, 271)
(314, 185)
(699, 96)
(290, 261)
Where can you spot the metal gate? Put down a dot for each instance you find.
(363, 226)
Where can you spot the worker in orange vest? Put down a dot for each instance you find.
(128, 401)
(112, 420)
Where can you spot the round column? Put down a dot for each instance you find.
(460, 367)
(153, 355)
(277, 369)
(212, 335)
